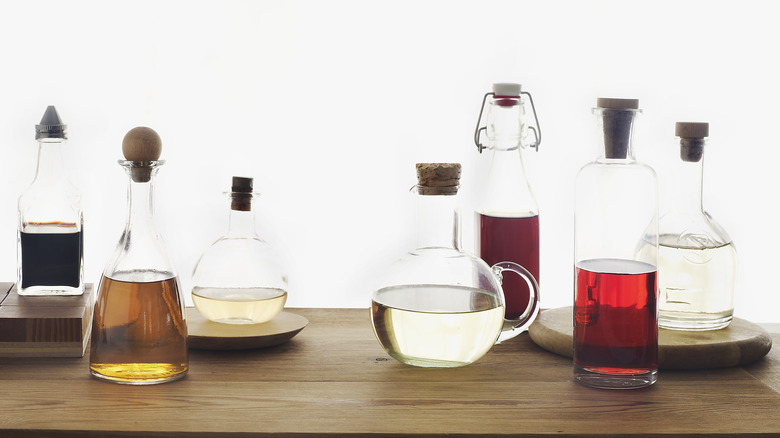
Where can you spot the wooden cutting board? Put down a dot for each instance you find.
(44, 326)
(740, 343)
(208, 335)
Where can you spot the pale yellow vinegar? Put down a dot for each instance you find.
(239, 305)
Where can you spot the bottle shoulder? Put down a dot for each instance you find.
(694, 230)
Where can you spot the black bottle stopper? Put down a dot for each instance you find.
(692, 135)
(618, 117)
(241, 194)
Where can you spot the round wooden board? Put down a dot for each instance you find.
(740, 343)
(208, 335)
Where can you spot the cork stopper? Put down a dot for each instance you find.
(142, 146)
(438, 178)
(692, 135)
(241, 194)
(618, 117)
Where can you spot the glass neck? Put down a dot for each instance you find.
(140, 196)
(242, 223)
(616, 134)
(505, 127)
(50, 165)
(688, 186)
(438, 221)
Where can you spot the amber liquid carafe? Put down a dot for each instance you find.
(139, 332)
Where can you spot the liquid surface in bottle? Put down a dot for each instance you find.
(513, 239)
(615, 326)
(436, 326)
(51, 257)
(139, 335)
(696, 285)
(239, 305)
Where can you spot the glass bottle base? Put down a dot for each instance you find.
(50, 290)
(139, 373)
(691, 321)
(614, 378)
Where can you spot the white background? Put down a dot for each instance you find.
(328, 105)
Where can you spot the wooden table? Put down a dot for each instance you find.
(334, 379)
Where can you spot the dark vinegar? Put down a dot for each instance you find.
(513, 239)
(615, 319)
(51, 259)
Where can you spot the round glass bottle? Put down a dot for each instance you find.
(615, 259)
(50, 249)
(139, 332)
(507, 215)
(238, 279)
(696, 257)
(438, 306)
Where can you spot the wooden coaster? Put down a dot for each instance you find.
(44, 326)
(203, 334)
(740, 343)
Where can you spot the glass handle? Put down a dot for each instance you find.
(525, 319)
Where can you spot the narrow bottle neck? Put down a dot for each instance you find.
(51, 167)
(140, 216)
(689, 178)
(242, 223)
(438, 221)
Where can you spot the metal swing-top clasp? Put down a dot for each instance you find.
(510, 91)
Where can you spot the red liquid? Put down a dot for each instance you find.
(513, 239)
(615, 319)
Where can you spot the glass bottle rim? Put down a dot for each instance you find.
(133, 164)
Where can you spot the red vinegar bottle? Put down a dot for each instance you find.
(507, 215)
(615, 259)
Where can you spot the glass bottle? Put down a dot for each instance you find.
(139, 332)
(439, 306)
(238, 279)
(51, 222)
(615, 258)
(696, 257)
(507, 215)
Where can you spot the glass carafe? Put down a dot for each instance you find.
(507, 215)
(696, 257)
(238, 279)
(438, 306)
(615, 250)
(139, 332)
(50, 249)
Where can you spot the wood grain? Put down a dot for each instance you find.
(334, 379)
(44, 326)
(742, 342)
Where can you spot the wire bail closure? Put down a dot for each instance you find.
(537, 130)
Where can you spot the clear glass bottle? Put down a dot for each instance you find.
(697, 261)
(139, 332)
(50, 249)
(439, 306)
(507, 215)
(238, 279)
(615, 259)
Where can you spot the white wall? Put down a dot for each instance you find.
(328, 105)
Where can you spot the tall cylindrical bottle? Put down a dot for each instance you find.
(139, 333)
(507, 215)
(50, 235)
(696, 257)
(615, 259)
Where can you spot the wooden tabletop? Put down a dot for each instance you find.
(334, 379)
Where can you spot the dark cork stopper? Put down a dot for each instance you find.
(692, 135)
(618, 117)
(438, 178)
(241, 194)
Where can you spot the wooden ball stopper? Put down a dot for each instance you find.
(141, 145)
